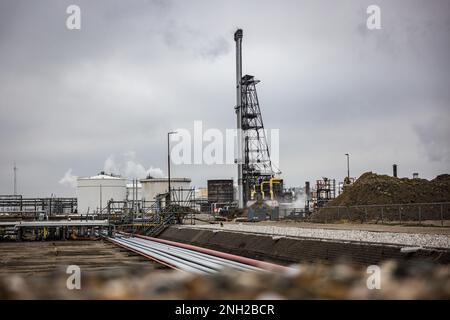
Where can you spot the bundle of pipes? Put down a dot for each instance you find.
(190, 258)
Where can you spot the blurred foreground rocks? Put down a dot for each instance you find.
(306, 281)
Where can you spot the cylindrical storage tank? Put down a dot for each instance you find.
(93, 193)
(154, 186)
(133, 189)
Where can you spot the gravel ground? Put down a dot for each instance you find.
(431, 229)
(398, 238)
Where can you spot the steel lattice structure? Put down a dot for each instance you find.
(257, 165)
(253, 158)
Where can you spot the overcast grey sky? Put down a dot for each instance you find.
(137, 69)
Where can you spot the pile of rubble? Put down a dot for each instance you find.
(372, 188)
(390, 199)
(306, 281)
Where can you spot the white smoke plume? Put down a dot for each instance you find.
(300, 201)
(69, 179)
(128, 166)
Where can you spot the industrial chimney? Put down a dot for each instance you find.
(307, 190)
(238, 39)
(394, 170)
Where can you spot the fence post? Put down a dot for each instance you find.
(365, 214)
(420, 215)
(338, 215)
(382, 209)
(400, 214)
(442, 215)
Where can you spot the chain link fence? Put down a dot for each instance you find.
(417, 213)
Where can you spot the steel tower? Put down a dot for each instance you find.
(254, 164)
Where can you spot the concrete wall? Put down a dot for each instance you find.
(289, 250)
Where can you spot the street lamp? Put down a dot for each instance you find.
(348, 167)
(168, 161)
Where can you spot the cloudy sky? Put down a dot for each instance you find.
(75, 102)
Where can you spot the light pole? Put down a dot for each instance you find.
(15, 179)
(348, 167)
(168, 161)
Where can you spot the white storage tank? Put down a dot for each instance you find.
(153, 186)
(93, 193)
(134, 189)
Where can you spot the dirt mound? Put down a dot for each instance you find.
(372, 188)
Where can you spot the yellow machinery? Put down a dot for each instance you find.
(270, 182)
(252, 193)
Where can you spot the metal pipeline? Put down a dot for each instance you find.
(252, 262)
(141, 253)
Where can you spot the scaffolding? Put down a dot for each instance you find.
(325, 191)
(152, 217)
(17, 204)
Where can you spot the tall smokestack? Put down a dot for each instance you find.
(307, 190)
(238, 39)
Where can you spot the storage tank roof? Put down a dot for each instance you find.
(165, 180)
(101, 176)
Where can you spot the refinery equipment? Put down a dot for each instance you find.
(255, 169)
(17, 205)
(325, 191)
(221, 191)
(220, 194)
(134, 191)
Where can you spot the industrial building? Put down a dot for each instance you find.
(220, 194)
(220, 191)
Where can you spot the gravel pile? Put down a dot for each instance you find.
(398, 238)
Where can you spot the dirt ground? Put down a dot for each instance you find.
(40, 258)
